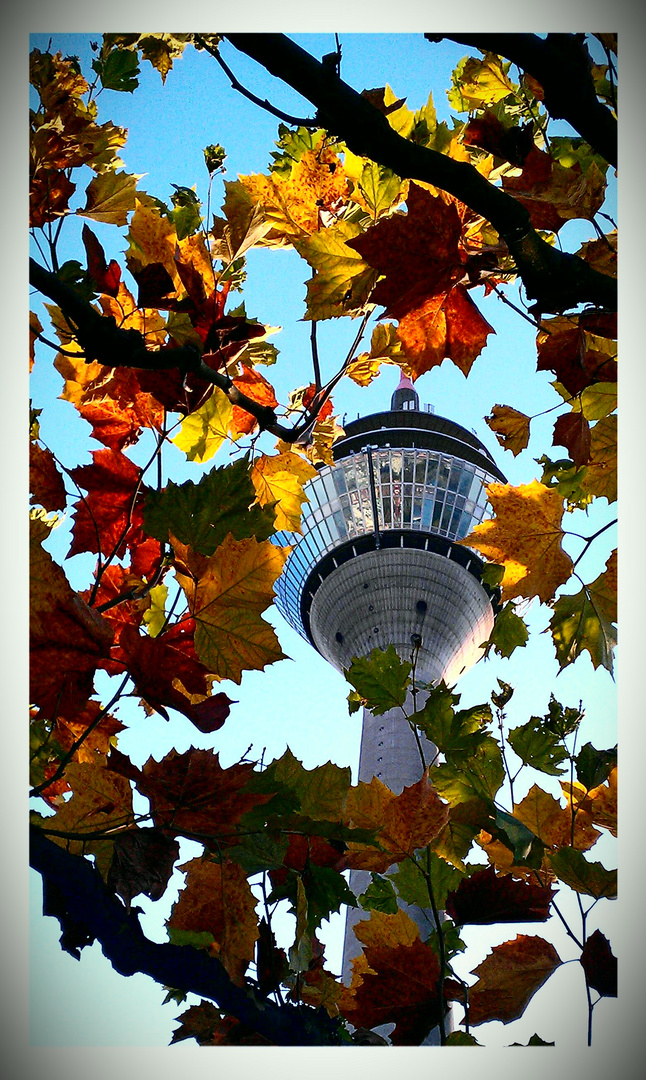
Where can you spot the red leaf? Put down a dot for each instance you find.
(600, 965)
(110, 515)
(572, 431)
(106, 278)
(484, 897)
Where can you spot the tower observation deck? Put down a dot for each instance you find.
(378, 564)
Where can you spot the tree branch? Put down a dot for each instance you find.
(562, 65)
(102, 340)
(75, 893)
(554, 279)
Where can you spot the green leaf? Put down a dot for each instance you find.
(119, 70)
(379, 896)
(411, 882)
(537, 747)
(343, 280)
(593, 767)
(456, 734)
(451, 940)
(202, 432)
(568, 480)
(381, 680)
(214, 157)
(509, 631)
(202, 514)
(589, 878)
(186, 215)
(505, 695)
(492, 575)
(528, 849)
(199, 939)
(259, 851)
(110, 197)
(462, 1038)
(379, 187)
(580, 623)
(480, 776)
(321, 792)
(314, 894)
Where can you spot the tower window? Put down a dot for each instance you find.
(339, 637)
(421, 607)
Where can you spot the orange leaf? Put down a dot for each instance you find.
(509, 977)
(109, 517)
(552, 823)
(572, 431)
(525, 536)
(554, 194)
(67, 731)
(45, 482)
(510, 426)
(404, 822)
(252, 383)
(217, 900)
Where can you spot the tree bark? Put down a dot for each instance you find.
(75, 892)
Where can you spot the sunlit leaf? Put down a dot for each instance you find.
(509, 977)
(110, 197)
(586, 620)
(510, 426)
(202, 432)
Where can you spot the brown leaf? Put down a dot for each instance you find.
(509, 977)
(110, 516)
(600, 965)
(484, 897)
(572, 431)
(554, 194)
(577, 357)
(218, 900)
(404, 822)
(142, 862)
(510, 427)
(45, 481)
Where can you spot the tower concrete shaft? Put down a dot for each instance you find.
(378, 563)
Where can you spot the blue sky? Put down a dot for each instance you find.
(300, 702)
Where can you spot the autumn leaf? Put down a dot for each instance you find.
(105, 277)
(509, 632)
(525, 536)
(218, 901)
(577, 358)
(201, 514)
(554, 194)
(110, 197)
(590, 878)
(68, 640)
(552, 823)
(191, 794)
(586, 620)
(510, 427)
(102, 736)
(598, 803)
(422, 257)
(600, 477)
(509, 977)
(385, 347)
(572, 431)
(397, 982)
(342, 281)
(480, 82)
(109, 517)
(405, 822)
(46, 483)
(278, 481)
(256, 387)
(208, 1027)
(227, 594)
(142, 862)
(101, 802)
(203, 431)
(484, 897)
(600, 965)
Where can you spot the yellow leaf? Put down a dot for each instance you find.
(525, 537)
(202, 432)
(129, 316)
(342, 280)
(478, 82)
(510, 426)
(600, 803)
(152, 239)
(280, 480)
(390, 930)
(600, 477)
(110, 197)
(217, 900)
(227, 594)
(552, 823)
(363, 370)
(324, 435)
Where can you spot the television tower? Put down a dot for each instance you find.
(377, 564)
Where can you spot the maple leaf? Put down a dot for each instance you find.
(105, 277)
(509, 632)
(45, 481)
(166, 671)
(599, 803)
(600, 477)
(484, 897)
(203, 431)
(577, 357)
(398, 980)
(589, 878)
(109, 517)
(110, 197)
(208, 1027)
(404, 822)
(553, 194)
(552, 823)
(479, 82)
(218, 901)
(509, 977)
(572, 431)
(600, 965)
(385, 347)
(423, 257)
(342, 281)
(524, 536)
(66, 731)
(101, 803)
(227, 594)
(256, 387)
(191, 794)
(586, 620)
(278, 481)
(142, 862)
(380, 680)
(68, 640)
(510, 427)
(201, 515)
